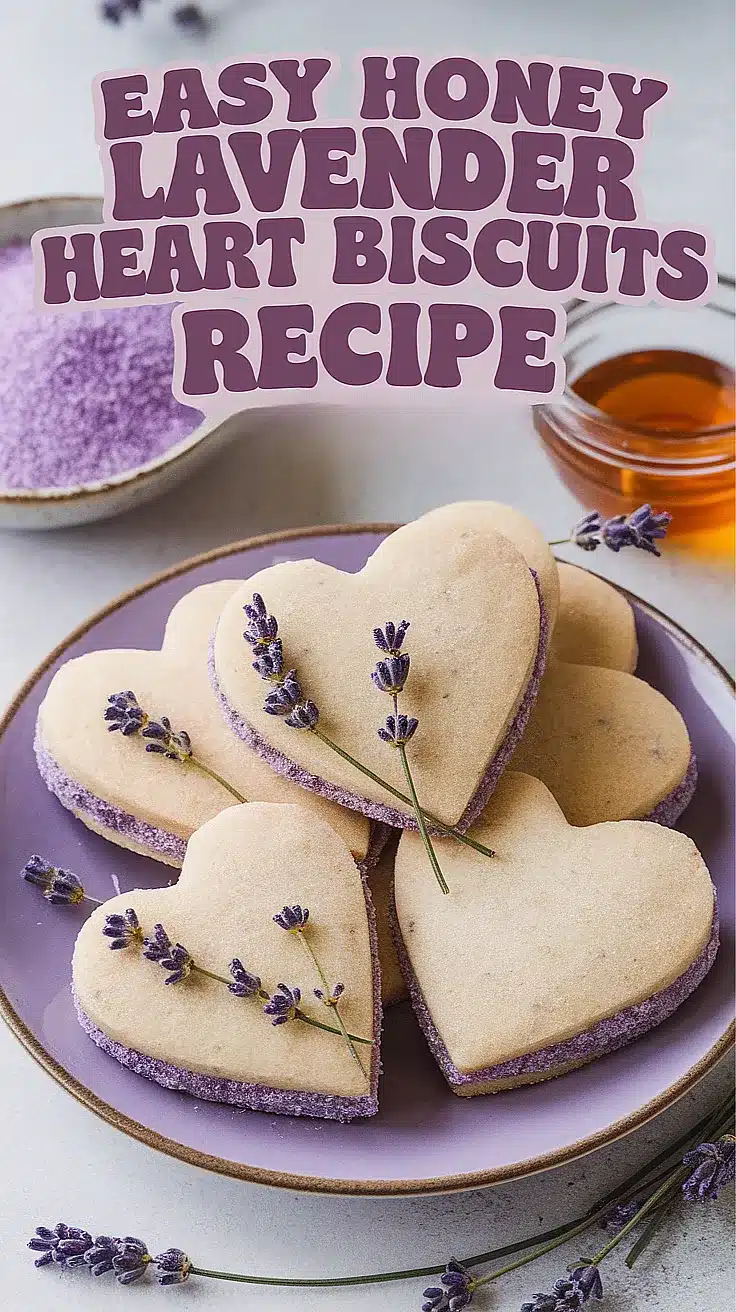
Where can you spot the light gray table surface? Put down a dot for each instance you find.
(56, 1159)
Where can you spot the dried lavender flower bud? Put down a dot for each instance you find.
(456, 1291)
(292, 918)
(262, 627)
(303, 716)
(174, 746)
(331, 999)
(586, 534)
(639, 529)
(114, 11)
(60, 887)
(391, 674)
(174, 1267)
(191, 19)
(65, 1245)
(712, 1168)
(283, 1004)
(244, 984)
(642, 529)
(123, 929)
(99, 1258)
(123, 713)
(170, 956)
(131, 1260)
(583, 1284)
(391, 637)
(282, 700)
(270, 661)
(398, 729)
(587, 1281)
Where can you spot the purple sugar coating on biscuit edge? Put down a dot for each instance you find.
(381, 811)
(668, 811)
(602, 1038)
(75, 797)
(257, 1097)
(253, 1097)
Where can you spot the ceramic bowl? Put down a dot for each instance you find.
(62, 507)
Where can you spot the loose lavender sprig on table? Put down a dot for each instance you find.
(126, 716)
(295, 920)
(659, 1178)
(60, 887)
(189, 17)
(124, 931)
(642, 528)
(286, 699)
(389, 676)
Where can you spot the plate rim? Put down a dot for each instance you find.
(316, 1184)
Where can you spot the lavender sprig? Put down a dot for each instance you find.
(712, 1167)
(65, 1245)
(583, 1284)
(131, 1260)
(124, 714)
(60, 887)
(287, 699)
(643, 528)
(189, 17)
(455, 1291)
(656, 1175)
(170, 956)
(124, 931)
(390, 675)
(294, 919)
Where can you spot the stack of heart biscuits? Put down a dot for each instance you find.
(438, 778)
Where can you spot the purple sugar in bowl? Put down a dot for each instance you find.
(88, 423)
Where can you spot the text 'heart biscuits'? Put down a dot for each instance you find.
(595, 623)
(136, 798)
(477, 641)
(607, 745)
(241, 869)
(571, 943)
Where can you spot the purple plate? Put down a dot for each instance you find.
(424, 1139)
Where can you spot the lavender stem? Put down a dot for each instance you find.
(205, 769)
(347, 1037)
(448, 830)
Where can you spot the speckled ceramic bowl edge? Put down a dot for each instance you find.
(47, 508)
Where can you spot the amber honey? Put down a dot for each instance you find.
(654, 423)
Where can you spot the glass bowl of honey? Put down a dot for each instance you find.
(648, 411)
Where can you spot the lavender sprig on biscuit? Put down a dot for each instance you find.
(288, 700)
(295, 920)
(125, 715)
(390, 676)
(125, 932)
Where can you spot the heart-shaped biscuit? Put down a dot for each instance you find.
(240, 869)
(139, 799)
(607, 745)
(477, 643)
(595, 623)
(570, 944)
